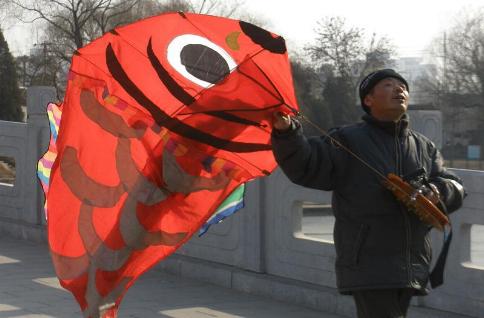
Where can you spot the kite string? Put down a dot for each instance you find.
(298, 114)
(325, 133)
(295, 111)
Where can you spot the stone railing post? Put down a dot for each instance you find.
(38, 136)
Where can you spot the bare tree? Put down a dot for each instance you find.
(70, 17)
(216, 7)
(458, 81)
(7, 11)
(345, 56)
(459, 56)
(41, 67)
(464, 71)
(74, 23)
(347, 51)
(336, 45)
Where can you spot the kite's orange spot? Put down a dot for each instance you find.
(232, 40)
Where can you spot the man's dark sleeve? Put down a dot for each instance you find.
(309, 162)
(449, 184)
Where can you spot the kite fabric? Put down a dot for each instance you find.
(233, 203)
(44, 166)
(162, 120)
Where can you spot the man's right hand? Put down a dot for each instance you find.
(281, 121)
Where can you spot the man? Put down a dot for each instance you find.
(383, 250)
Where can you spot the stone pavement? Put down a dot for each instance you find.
(28, 289)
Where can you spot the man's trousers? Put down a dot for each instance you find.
(383, 303)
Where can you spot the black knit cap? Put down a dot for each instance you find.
(372, 79)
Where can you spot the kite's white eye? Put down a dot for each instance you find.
(199, 59)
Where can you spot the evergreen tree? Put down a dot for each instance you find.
(9, 91)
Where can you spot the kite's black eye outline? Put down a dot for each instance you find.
(178, 54)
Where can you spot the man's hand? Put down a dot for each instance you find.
(281, 121)
(433, 194)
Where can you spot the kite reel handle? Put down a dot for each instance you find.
(416, 202)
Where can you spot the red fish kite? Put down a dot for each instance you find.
(162, 120)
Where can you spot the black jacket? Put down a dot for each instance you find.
(379, 244)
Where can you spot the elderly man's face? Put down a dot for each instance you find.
(388, 100)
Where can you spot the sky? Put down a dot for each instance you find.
(410, 24)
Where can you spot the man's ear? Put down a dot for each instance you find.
(368, 100)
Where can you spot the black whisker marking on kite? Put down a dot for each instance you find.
(179, 93)
(142, 53)
(232, 118)
(173, 124)
(173, 87)
(233, 110)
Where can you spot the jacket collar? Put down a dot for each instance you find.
(400, 127)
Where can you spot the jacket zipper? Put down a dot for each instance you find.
(399, 172)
